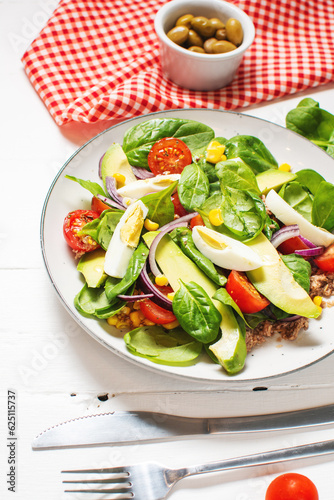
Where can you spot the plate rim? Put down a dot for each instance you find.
(136, 360)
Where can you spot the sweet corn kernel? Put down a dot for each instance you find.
(215, 217)
(285, 167)
(319, 309)
(120, 180)
(161, 280)
(135, 318)
(150, 225)
(147, 322)
(126, 310)
(122, 324)
(171, 325)
(112, 320)
(215, 152)
(171, 295)
(317, 300)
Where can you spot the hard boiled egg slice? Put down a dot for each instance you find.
(224, 251)
(141, 187)
(288, 215)
(125, 240)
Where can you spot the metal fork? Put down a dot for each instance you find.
(152, 481)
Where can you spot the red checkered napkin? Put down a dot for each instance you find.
(99, 60)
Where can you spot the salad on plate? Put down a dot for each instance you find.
(201, 243)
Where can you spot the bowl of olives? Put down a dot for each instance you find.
(202, 43)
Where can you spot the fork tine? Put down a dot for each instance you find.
(110, 480)
(111, 470)
(102, 491)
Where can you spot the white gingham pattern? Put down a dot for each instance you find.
(99, 60)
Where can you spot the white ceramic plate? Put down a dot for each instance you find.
(270, 360)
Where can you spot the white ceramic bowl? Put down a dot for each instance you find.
(193, 70)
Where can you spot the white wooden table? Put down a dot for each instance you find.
(58, 371)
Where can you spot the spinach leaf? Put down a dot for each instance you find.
(270, 227)
(252, 151)
(193, 188)
(138, 259)
(102, 228)
(300, 268)
(174, 347)
(196, 312)
(183, 237)
(323, 206)
(223, 296)
(298, 198)
(314, 123)
(94, 302)
(139, 139)
(310, 179)
(160, 206)
(93, 187)
(236, 174)
(244, 213)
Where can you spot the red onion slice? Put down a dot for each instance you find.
(100, 166)
(110, 202)
(142, 173)
(162, 231)
(307, 242)
(283, 234)
(134, 298)
(149, 288)
(310, 252)
(112, 190)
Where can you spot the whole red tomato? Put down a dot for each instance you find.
(292, 486)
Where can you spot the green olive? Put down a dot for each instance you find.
(221, 34)
(216, 23)
(202, 26)
(178, 34)
(184, 20)
(195, 48)
(223, 46)
(194, 39)
(208, 45)
(234, 31)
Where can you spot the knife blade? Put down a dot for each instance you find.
(126, 427)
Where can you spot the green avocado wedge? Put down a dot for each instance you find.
(230, 349)
(276, 282)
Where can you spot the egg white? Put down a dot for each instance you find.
(288, 215)
(119, 253)
(142, 187)
(234, 254)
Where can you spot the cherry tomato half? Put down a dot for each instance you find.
(155, 313)
(98, 206)
(178, 208)
(325, 261)
(292, 486)
(169, 155)
(73, 223)
(292, 244)
(244, 293)
(197, 221)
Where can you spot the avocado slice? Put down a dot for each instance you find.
(273, 179)
(230, 350)
(115, 161)
(91, 265)
(275, 281)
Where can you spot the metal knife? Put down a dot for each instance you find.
(125, 427)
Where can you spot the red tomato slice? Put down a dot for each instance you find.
(73, 223)
(155, 313)
(98, 206)
(178, 208)
(169, 155)
(292, 244)
(292, 486)
(197, 221)
(325, 261)
(244, 293)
